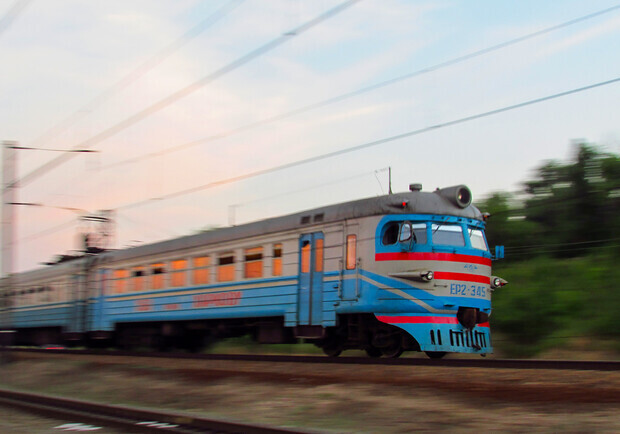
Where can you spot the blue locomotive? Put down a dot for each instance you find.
(406, 271)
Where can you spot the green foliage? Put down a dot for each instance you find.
(562, 239)
(551, 302)
(566, 210)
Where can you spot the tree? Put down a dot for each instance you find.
(575, 204)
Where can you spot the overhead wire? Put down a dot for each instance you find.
(529, 253)
(365, 145)
(534, 246)
(12, 14)
(141, 225)
(314, 187)
(47, 232)
(174, 97)
(456, 60)
(363, 90)
(275, 196)
(138, 72)
(369, 144)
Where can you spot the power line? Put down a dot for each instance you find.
(577, 249)
(28, 148)
(170, 99)
(13, 12)
(363, 90)
(369, 144)
(562, 244)
(313, 187)
(47, 232)
(41, 205)
(365, 145)
(139, 72)
(299, 190)
(141, 225)
(536, 202)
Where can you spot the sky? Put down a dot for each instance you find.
(64, 59)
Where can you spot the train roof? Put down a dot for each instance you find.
(58, 270)
(438, 202)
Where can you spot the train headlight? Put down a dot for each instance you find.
(458, 195)
(497, 282)
(424, 276)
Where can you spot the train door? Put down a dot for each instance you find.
(98, 288)
(310, 299)
(79, 305)
(76, 306)
(6, 305)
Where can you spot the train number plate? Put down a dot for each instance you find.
(467, 290)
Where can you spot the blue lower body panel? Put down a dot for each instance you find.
(440, 332)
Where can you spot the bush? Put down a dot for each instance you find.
(549, 302)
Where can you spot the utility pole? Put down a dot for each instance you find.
(9, 195)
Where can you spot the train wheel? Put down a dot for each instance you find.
(435, 354)
(374, 352)
(393, 351)
(332, 350)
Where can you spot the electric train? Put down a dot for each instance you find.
(402, 272)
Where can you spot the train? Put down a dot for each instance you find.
(408, 271)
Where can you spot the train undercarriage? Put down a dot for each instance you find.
(354, 331)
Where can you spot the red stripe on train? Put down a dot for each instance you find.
(423, 320)
(421, 256)
(465, 277)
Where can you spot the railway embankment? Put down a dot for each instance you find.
(334, 397)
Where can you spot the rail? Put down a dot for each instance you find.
(585, 365)
(127, 419)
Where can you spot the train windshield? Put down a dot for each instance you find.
(476, 237)
(448, 235)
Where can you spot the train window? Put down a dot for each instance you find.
(476, 236)
(419, 233)
(318, 255)
(352, 251)
(390, 236)
(448, 235)
(226, 267)
(157, 276)
(253, 266)
(200, 274)
(276, 267)
(137, 279)
(305, 257)
(179, 272)
(120, 281)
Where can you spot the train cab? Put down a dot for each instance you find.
(434, 275)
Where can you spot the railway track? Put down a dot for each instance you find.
(323, 395)
(126, 419)
(590, 365)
